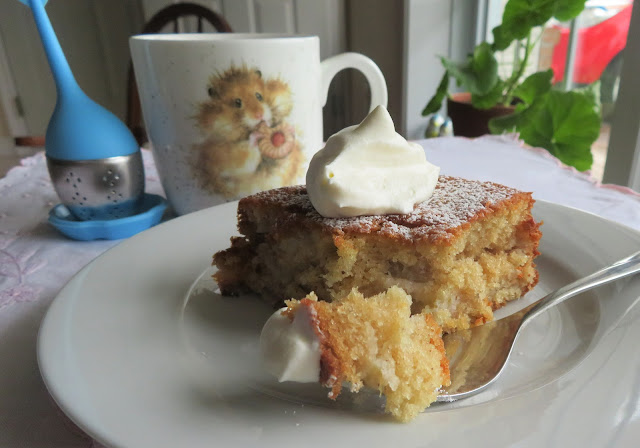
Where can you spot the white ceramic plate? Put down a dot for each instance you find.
(140, 351)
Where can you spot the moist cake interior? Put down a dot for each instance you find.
(377, 343)
(460, 255)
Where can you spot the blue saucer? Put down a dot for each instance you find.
(151, 210)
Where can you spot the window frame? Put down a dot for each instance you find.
(622, 165)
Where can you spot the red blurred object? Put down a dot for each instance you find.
(277, 139)
(597, 46)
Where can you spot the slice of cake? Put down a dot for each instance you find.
(463, 253)
(372, 342)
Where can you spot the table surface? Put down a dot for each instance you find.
(36, 261)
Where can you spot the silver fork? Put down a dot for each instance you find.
(479, 355)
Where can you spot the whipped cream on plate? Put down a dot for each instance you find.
(290, 349)
(370, 169)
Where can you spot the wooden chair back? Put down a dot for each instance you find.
(169, 16)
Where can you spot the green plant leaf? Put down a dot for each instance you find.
(564, 123)
(461, 72)
(522, 115)
(519, 17)
(435, 103)
(568, 9)
(485, 66)
(490, 99)
(535, 85)
(506, 123)
(574, 155)
(501, 38)
(479, 73)
(592, 91)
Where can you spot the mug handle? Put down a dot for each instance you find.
(330, 66)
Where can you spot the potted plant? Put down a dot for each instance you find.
(565, 123)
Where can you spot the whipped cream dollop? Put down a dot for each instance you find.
(290, 349)
(370, 169)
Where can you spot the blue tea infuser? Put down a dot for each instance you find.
(94, 161)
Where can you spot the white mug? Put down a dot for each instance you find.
(229, 115)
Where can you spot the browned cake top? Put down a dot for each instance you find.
(455, 202)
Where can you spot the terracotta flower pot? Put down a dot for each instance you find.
(469, 121)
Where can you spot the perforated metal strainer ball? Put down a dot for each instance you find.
(108, 188)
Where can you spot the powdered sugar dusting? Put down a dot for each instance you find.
(455, 202)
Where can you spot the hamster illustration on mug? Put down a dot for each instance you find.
(248, 145)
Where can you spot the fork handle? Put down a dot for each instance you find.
(622, 268)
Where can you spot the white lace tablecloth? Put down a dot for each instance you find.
(36, 261)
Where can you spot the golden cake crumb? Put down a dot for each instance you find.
(375, 342)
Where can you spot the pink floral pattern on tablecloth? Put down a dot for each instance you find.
(35, 262)
(16, 267)
(19, 259)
